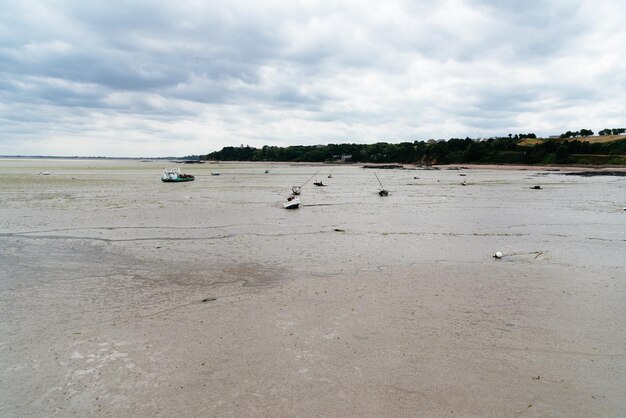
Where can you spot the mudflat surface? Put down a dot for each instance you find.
(121, 295)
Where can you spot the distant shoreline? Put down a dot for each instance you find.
(535, 167)
(522, 167)
(52, 157)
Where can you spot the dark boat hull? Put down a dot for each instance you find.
(178, 180)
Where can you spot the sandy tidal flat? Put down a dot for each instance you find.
(121, 295)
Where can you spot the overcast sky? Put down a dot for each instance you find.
(162, 78)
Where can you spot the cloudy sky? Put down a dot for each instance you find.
(161, 78)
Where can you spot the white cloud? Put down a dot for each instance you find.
(131, 78)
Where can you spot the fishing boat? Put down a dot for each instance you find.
(173, 175)
(292, 203)
(318, 183)
(215, 173)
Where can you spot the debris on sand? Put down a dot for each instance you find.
(499, 255)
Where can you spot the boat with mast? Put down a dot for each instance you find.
(297, 189)
(382, 191)
(318, 183)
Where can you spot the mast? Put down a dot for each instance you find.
(382, 191)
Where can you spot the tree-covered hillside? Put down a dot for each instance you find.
(505, 150)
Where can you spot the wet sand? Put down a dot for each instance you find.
(124, 296)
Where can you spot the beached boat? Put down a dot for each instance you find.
(295, 190)
(382, 191)
(173, 175)
(292, 203)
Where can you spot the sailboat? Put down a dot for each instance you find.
(297, 189)
(382, 191)
(318, 183)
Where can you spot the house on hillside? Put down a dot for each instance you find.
(343, 158)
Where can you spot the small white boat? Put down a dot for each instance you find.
(292, 203)
(44, 173)
(296, 190)
(215, 173)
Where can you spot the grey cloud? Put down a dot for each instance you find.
(336, 67)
